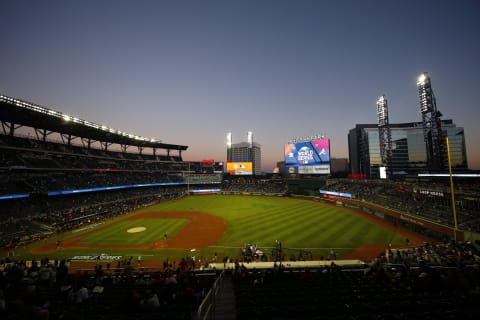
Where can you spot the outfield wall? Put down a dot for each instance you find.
(244, 193)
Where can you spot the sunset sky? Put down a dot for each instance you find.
(189, 72)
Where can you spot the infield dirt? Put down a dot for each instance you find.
(202, 230)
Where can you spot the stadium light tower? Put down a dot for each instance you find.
(385, 134)
(250, 149)
(432, 124)
(229, 140)
(229, 146)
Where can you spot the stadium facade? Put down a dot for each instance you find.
(409, 150)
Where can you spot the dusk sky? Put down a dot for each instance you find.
(189, 72)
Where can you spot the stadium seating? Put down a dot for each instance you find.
(381, 291)
(407, 197)
(254, 185)
(47, 290)
(33, 168)
(433, 281)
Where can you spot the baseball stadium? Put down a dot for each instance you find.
(96, 223)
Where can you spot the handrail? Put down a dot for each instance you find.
(210, 299)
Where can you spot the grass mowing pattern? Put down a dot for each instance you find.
(116, 234)
(297, 223)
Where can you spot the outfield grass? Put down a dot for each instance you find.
(298, 224)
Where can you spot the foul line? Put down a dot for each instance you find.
(326, 248)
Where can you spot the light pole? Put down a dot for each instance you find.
(188, 178)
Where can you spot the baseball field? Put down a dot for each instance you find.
(220, 226)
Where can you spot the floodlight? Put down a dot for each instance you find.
(250, 138)
(229, 140)
(382, 111)
(421, 79)
(67, 118)
(425, 93)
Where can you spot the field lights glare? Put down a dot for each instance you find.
(421, 79)
(67, 118)
(382, 111)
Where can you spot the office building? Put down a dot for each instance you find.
(408, 149)
(244, 153)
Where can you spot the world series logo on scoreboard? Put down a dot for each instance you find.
(308, 157)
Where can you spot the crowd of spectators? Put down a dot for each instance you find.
(445, 254)
(23, 220)
(84, 180)
(33, 168)
(430, 201)
(46, 289)
(204, 178)
(254, 185)
(439, 281)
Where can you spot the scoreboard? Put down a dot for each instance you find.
(308, 157)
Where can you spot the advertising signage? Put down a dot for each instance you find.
(240, 168)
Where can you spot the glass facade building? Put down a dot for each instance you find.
(408, 152)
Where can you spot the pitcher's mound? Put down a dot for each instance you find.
(137, 229)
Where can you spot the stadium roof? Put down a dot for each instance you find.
(28, 114)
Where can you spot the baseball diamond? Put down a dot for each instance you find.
(225, 223)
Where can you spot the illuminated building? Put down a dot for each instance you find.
(408, 148)
(247, 153)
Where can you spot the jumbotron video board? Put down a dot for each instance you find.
(308, 157)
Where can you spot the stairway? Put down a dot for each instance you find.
(225, 300)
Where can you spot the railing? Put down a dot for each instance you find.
(207, 307)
